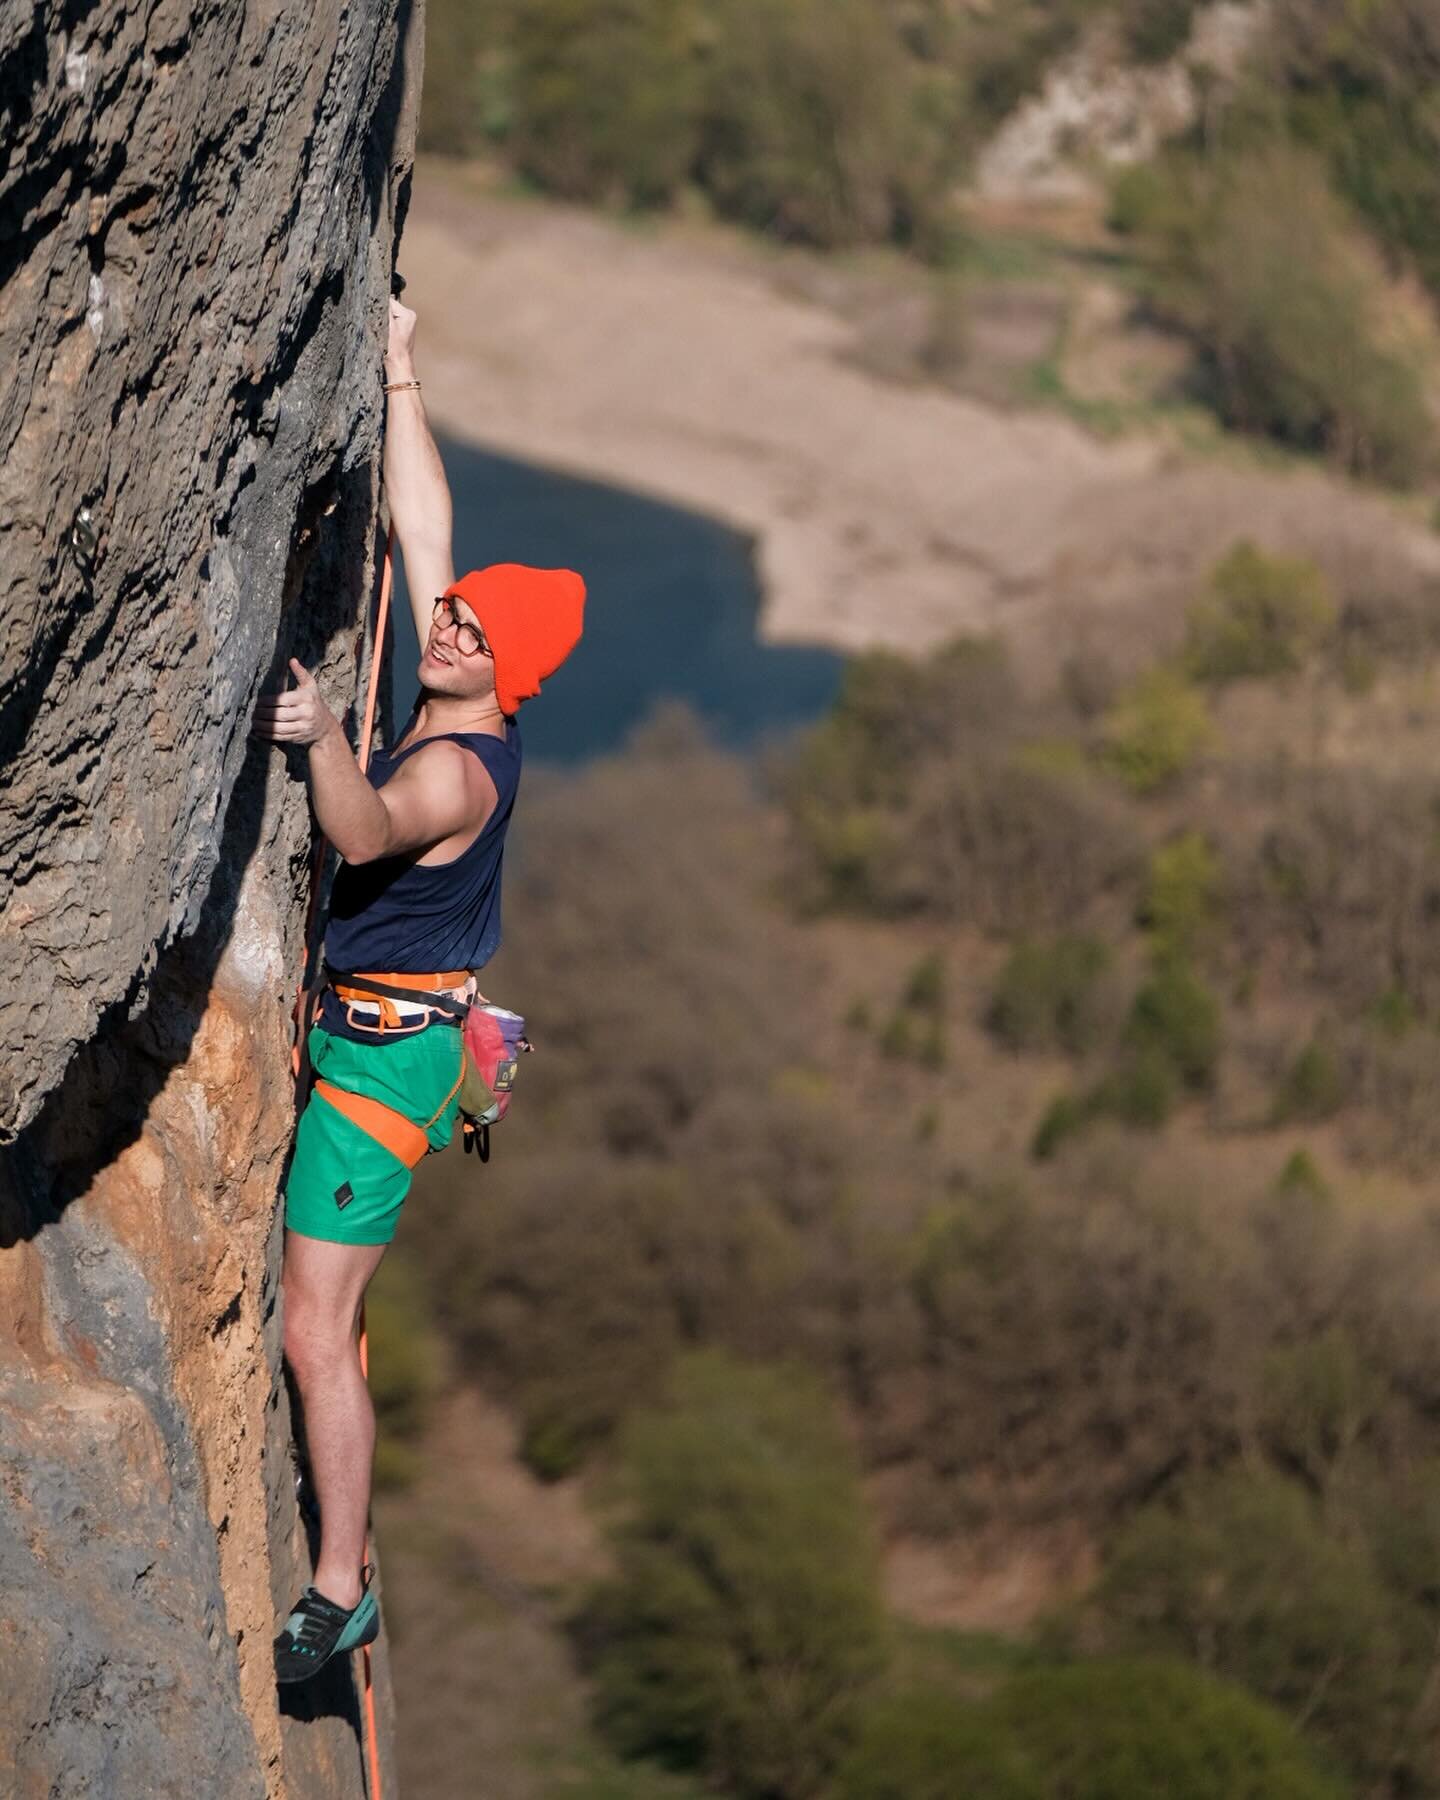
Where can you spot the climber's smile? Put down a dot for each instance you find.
(469, 640)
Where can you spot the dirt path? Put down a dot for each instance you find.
(670, 361)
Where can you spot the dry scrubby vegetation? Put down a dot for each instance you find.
(747, 1245)
(830, 122)
(1293, 311)
(1271, 235)
(736, 1253)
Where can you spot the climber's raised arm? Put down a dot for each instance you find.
(415, 484)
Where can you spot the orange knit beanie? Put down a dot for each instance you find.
(532, 619)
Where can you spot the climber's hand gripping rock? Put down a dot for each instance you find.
(400, 349)
(297, 717)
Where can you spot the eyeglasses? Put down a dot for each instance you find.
(469, 639)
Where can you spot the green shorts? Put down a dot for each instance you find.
(344, 1186)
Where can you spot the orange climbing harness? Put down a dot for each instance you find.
(303, 1005)
(400, 1136)
(375, 992)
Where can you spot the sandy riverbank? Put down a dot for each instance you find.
(671, 361)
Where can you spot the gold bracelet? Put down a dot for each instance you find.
(393, 387)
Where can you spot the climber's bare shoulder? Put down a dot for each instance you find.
(438, 802)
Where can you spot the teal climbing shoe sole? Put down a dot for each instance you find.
(364, 1626)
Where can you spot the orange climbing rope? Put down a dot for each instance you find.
(302, 1026)
(377, 649)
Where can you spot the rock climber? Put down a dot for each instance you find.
(415, 908)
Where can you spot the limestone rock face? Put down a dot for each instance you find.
(199, 203)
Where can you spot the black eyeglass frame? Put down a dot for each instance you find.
(446, 613)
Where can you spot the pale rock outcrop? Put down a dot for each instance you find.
(1095, 110)
(198, 210)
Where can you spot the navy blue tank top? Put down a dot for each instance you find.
(415, 918)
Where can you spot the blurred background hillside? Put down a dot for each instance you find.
(956, 1307)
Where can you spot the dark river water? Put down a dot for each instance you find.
(670, 613)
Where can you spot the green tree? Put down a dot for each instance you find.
(1181, 903)
(1320, 1401)
(1260, 614)
(925, 1744)
(608, 95)
(460, 99)
(1102, 1730)
(1257, 259)
(1065, 1117)
(1049, 994)
(744, 1621)
(1315, 1084)
(1176, 1017)
(1156, 30)
(821, 125)
(1357, 82)
(1242, 1576)
(1128, 1730)
(1155, 730)
(1141, 1089)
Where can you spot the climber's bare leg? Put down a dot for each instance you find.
(323, 1285)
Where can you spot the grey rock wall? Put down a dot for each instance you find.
(199, 206)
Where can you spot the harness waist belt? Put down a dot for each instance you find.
(404, 1009)
(396, 995)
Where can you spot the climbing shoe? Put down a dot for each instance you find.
(319, 1629)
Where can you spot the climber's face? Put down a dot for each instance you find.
(457, 658)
